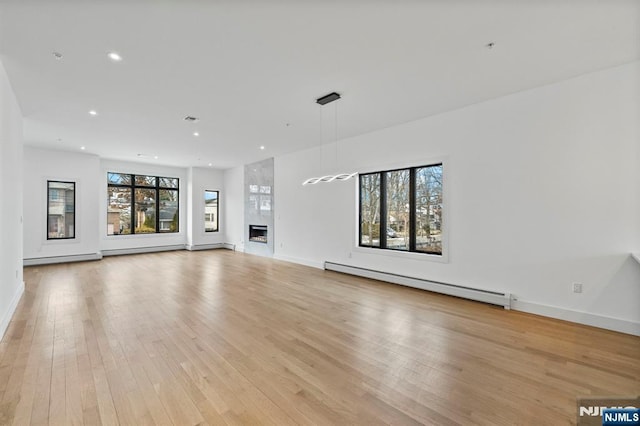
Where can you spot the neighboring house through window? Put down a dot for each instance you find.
(61, 210)
(211, 210)
(141, 204)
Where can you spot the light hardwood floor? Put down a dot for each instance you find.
(219, 337)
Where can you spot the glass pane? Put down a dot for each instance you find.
(253, 188)
(145, 207)
(119, 178)
(61, 210)
(118, 211)
(253, 203)
(398, 209)
(265, 189)
(265, 203)
(145, 180)
(168, 210)
(370, 210)
(165, 182)
(210, 211)
(429, 209)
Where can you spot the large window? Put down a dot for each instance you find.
(140, 204)
(211, 211)
(61, 210)
(402, 209)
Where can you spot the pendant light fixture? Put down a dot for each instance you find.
(322, 101)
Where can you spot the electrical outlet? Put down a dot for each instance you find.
(577, 287)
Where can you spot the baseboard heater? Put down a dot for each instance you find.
(35, 261)
(142, 250)
(199, 247)
(486, 296)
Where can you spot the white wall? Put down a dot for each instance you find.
(233, 207)
(90, 174)
(11, 285)
(201, 179)
(543, 192)
(41, 165)
(126, 242)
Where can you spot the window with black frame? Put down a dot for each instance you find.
(402, 209)
(61, 210)
(142, 204)
(211, 211)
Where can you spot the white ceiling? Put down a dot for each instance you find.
(247, 68)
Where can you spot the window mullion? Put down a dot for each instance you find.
(383, 210)
(157, 204)
(360, 177)
(132, 222)
(412, 209)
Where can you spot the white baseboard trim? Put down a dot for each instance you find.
(305, 262)
(61, 259)
(227, 246)
(6, 318)
(609, 323)
(139, 250)
(481, 295)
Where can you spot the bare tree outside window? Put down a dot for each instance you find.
(429, 209)
(145, 200)
(168, 210)
(140, 204)
(397, 209)
(370, 210)
(402, 209)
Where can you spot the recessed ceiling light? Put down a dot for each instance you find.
(155, 157)
(82, 148)
(196, 134)
(114, 56)
(262, 147)
(93, 112)
(57, 55)
(210, 164)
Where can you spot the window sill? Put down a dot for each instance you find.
(54, 241)
(143, 235)
(444, 258)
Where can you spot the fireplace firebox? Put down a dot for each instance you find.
(258, 233)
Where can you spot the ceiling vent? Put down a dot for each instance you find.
(191, 119)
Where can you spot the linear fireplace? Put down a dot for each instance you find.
(258, 233)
